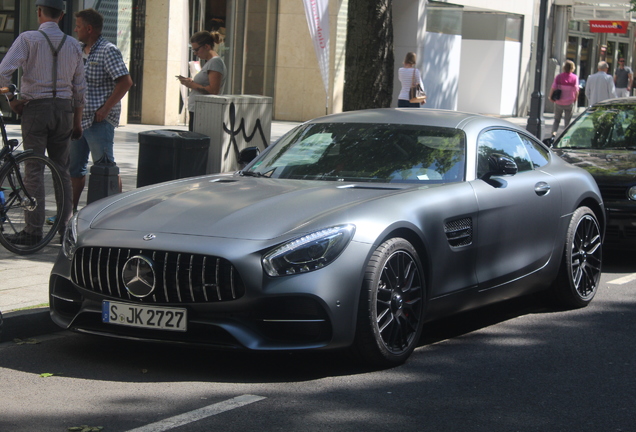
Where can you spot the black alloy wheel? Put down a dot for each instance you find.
(392, 305)
(581, 269)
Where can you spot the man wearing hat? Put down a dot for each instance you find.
(52, 91)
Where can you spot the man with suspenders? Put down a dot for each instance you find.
(53, 89)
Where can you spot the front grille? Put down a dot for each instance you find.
(179, 277)
(614, 192)
(459, 232)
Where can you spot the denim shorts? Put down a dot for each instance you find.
(96, 140)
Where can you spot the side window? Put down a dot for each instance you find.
(538, 154)
(505, 142)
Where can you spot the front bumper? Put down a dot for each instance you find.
(621, 225)
(314, 310)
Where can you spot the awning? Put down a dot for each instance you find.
(608, 10)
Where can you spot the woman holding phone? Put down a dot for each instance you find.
(211, 78)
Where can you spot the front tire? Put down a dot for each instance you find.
(18, 208)
(580, 271)
(392, 305)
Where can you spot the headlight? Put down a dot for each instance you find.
(69, 244)
(631, 193)
(308, 253)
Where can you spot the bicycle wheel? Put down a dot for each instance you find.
(25, 204)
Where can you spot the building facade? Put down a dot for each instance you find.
(475, 55)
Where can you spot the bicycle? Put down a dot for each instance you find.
(21, 202)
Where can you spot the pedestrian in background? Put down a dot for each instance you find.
(108, 82)
(623, 78)
(568, 83)
(211, 78)
(408, 75)
(600, 86)
(51, 103)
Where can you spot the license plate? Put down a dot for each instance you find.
(154, 317)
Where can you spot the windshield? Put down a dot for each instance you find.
(605, 127)
(385, 153)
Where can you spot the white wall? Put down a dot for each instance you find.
(511, 59)
(494, 65)
(444, 59)
(442, 65)
(409, 19)
(480, 59)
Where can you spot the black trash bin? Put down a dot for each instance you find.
(168, 154)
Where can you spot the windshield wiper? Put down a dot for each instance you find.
(251, 174)
(257, 174)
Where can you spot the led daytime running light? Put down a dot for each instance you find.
(296, 257)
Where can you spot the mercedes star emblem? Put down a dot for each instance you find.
(139, 276)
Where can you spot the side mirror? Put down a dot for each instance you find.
(247, 155)
(499, 165)
(549, 141)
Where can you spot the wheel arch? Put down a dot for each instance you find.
(598, 209)
(410, 234)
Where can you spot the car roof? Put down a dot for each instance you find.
(415, 116)
(631, 100)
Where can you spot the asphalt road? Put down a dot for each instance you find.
(516, 366)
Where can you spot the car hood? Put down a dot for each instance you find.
(232, 206)
(610, 165)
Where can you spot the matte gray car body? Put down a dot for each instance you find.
(517, 231)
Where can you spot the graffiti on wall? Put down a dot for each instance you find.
(233, 131)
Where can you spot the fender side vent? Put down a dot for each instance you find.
(459, 232)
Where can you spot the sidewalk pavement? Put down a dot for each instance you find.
(24, 278)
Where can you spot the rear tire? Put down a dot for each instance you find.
(580, 271)
(17, 206)
(392, 305)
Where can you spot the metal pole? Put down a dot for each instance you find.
(536, 120)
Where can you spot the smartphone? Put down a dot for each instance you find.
(179, 76)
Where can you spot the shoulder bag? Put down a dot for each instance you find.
(416, 93)
(556, 94)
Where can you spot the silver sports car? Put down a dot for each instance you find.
(353, 230)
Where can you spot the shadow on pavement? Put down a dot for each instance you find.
(619, 261)
(93, 357)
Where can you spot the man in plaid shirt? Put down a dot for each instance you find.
(108, 82)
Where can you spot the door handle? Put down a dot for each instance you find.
(542, 188)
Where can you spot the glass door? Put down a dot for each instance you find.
(251, 46)
(610, 56)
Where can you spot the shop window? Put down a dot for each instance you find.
(480, 25)
(443, 18)
(249, 47)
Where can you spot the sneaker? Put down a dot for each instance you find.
(23, 238)
(51, 220)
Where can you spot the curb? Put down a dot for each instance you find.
(25, 324)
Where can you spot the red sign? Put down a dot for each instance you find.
(609, 27)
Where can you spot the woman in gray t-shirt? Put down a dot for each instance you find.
(211, 78)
